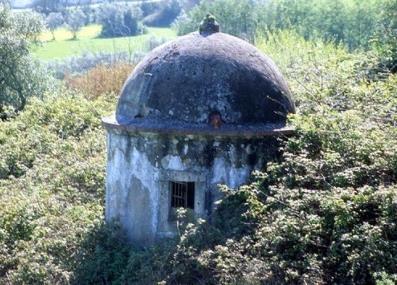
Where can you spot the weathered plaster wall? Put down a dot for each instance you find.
(141, 165)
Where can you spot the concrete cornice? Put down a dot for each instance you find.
(164, 127)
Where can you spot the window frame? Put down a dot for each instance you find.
(166, 225)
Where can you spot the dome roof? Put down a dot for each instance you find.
(196, 75)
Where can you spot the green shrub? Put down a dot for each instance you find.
(51, 187)
(346, 120)
(40, 126)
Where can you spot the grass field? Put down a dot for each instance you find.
(88, 41)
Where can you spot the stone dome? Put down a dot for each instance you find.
(196, 75)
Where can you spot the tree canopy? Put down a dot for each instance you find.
(20, 75)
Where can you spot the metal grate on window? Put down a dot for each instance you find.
(182, 194)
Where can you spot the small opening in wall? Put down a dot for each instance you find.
(182, 194)
(215, 119)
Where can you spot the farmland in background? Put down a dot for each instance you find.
(88, 41)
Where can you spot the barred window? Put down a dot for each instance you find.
(182, 194)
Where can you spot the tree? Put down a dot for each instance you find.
(75, 20)
(149, 8)
(385, 40)
(20, 75)
(236, 17)
(187, 5)
(49, 6)
(167, 13)
(120, 20)
(53, 21)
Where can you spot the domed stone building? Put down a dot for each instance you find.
(202, 110)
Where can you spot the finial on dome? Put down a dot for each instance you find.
(209, 25)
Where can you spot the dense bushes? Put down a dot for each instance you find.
(351, 115)
(51, 186)
(83, 63)
(100, 80)
(298, 236)
(56, 119)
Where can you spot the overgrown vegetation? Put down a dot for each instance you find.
(325, 213)
(51, 187)
(101, 79)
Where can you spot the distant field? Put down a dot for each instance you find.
(88, 41)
